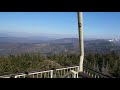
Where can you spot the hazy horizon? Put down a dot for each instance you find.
(45, 35)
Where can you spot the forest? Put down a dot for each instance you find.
(12, 64)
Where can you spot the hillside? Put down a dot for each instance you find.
(13, 64)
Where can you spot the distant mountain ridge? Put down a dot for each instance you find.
(65, 40)
(15, 40)
(65, 45)
(5, 35)
(23, 39)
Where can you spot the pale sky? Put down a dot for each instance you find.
(96, 24)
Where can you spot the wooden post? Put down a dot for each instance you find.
(81, 41)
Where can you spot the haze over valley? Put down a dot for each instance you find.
(11, 44)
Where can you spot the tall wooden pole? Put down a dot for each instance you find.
(81, 40)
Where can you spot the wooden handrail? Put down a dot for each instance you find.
(54, 71)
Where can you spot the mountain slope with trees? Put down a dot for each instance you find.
(13, 64)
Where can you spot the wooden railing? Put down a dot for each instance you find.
(5, 76)
(43, 74)
(69, 72)
(59, 73)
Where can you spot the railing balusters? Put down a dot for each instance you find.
(77, 75)
(64, 71)
(74, 69)
(44, 75)
(89, 73)
(51, 74)
(95, 76)
(92, 75)
(41, 75)
(57, 73)
(84, 71)
(61, 72)
(37, 75)
(47, 74)
(98, 76)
